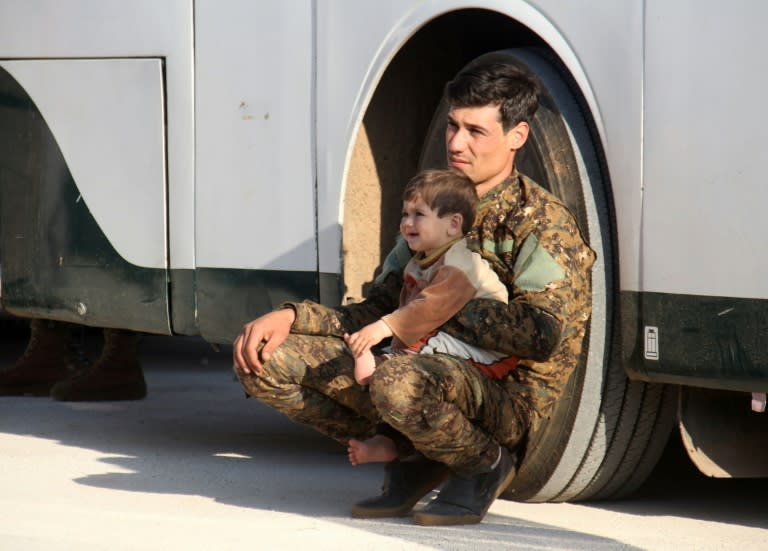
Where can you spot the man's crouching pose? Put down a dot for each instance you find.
(449, 420)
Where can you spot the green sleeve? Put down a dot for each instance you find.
(516, 329)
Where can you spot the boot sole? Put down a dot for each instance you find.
(427, 519)
(391, 512)
(27, 390)
(106, 395)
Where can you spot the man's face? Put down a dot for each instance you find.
(477, 145)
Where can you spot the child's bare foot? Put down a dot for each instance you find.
(365, 365)
(377, 448)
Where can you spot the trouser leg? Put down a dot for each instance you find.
(311, 380)
(448, 409)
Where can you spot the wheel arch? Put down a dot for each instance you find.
(408, 85)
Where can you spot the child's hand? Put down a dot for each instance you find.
(370, 335)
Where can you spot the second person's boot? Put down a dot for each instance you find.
(116, 374)
(51, 356)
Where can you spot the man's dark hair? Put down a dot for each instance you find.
(445, 191)
(515, 91)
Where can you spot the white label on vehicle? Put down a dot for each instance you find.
(651, 343)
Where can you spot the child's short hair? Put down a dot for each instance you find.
(445, 191)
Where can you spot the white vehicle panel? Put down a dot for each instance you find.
(254, 136)
(351, 51)
(609, 49)
(695, 240)
(113, 143)
(111, 29)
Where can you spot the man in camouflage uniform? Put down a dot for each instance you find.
(448, 419)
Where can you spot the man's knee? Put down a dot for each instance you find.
(397, 387)
(273, 374)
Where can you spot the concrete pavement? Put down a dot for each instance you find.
(197, 466)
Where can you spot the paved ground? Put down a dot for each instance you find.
(196, 466)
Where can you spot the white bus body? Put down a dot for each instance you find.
(181, 167)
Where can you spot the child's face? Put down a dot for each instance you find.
(424, 230)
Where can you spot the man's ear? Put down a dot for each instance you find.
(454, 228)
(517, 135)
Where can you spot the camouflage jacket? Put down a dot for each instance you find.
(535, 246)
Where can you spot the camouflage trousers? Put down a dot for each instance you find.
(444, 407)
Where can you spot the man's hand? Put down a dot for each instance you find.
(254, 346)
(370, 335)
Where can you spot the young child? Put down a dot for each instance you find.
(441, 277)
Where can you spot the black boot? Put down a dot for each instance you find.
(466, 500)
(116, 375)
(405, 483)
(52, 355)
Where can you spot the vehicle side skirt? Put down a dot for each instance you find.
(700, 341)
(231, 298)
